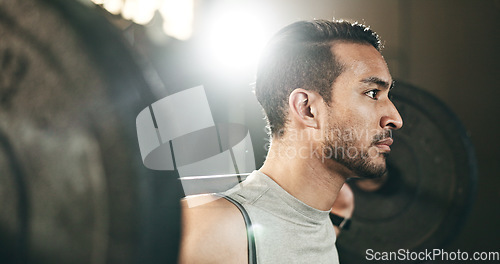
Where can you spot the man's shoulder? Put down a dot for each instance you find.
(213, 231)
(209, 206)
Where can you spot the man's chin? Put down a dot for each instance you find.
(372, 174)
(370, 169)
(372, 165)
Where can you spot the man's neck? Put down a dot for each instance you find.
(309, 178)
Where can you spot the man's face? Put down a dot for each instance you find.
(357, 132)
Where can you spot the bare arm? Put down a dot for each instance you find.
(212, 232)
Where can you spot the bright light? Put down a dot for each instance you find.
(236, 36)
(177, 14)
(178, 18)
(113, 6)
(140, 11)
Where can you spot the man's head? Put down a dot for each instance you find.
(329, 79)
(300, 55)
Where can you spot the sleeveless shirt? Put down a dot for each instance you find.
(286, 230)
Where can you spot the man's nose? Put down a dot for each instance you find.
(391, 119)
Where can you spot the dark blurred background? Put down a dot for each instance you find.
(446, 47)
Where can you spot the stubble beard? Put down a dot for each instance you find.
(361, 164)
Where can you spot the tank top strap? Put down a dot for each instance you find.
(252, 252)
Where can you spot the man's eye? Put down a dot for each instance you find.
(373, 94)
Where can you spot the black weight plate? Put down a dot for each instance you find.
(72, 184)
(429, 188)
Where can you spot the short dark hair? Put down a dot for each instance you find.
(300, 56)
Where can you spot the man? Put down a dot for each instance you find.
(325, 89)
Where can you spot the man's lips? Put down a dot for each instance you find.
(385, 144)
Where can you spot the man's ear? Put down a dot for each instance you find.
(303, 107)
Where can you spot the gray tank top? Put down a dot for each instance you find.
(286, 230)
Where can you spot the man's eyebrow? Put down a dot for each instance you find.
(378, 82)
